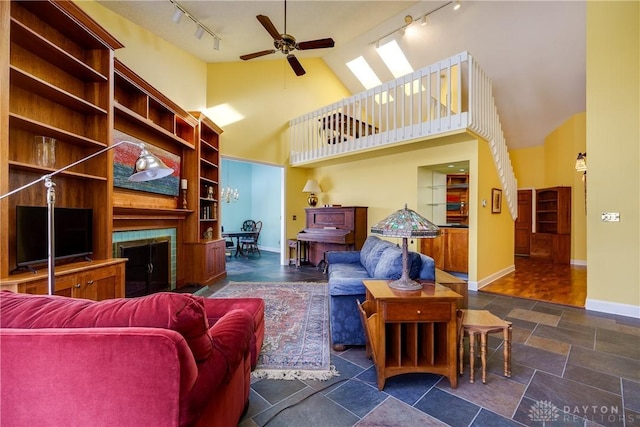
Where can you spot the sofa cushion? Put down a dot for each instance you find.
(390, 264)
(371, 251)
(183, 313)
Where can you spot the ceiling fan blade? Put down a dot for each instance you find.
(257, 54)
(268, 25)
(316, 44)
(295, 65)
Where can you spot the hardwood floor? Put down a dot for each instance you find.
(543, 281)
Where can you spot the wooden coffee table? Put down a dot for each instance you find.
(411, 331)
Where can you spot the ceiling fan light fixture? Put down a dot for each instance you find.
(286, 43)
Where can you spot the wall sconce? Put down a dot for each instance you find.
(581, 166)
(312, 187)
(581, 162)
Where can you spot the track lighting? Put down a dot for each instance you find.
(177, 15)
(408, 20)
(180, 11)
(199, 32)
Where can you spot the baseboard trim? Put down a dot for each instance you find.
(613, 308)
(579, 262)
(495, 276)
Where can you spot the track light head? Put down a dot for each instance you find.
(216, 43)
(199, 32)
(177, 15)
(457, 5)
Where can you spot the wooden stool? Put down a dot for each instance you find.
(482, 322)
(293, 245)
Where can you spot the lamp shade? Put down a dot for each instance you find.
(148, 167)
(405, 223)
(312, 187)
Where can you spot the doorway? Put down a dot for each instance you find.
(523, 224)
(260, 189)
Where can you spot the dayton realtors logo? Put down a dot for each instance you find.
(544, 411)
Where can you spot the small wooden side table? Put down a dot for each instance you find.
(411, 331)
(482, 322)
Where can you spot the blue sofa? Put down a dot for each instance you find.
(378, 259)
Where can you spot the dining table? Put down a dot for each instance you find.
(238, 235)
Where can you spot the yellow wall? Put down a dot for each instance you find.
(267, 94)
(528, 166)
(495, 251)
(613, 141)
(177, 74)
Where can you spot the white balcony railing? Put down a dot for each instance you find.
(451, 95)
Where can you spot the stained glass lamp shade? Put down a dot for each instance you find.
(406, 224)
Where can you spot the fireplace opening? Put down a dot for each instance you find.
(148, 269)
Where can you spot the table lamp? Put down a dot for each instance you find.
(148, 167)
(405, 223)
(312, 187)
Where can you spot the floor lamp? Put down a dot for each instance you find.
(148, 167)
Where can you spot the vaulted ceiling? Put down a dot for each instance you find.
(534, 51)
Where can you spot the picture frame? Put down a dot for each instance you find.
(496, 200)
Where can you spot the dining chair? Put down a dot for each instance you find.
(250, 243)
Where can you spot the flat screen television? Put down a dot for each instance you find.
(73, 234)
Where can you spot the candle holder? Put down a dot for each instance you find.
(184, 199)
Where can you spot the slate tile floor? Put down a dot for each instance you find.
(570, 367)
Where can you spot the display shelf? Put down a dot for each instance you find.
(139, 102)
(56, 75)
(34, 42)
(202, 231)
(24, 80)
(553, 225)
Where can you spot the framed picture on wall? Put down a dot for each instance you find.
(496, 200)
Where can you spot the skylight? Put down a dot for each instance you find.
(394, 59)
(363, 72)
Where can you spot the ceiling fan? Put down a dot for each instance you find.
(286, 43)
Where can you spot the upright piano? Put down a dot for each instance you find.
(333, 229)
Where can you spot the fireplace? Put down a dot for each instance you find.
(148, 269)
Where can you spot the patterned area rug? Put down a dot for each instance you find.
(296, 341)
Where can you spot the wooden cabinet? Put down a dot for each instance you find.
(206, 178)
(411, 332)
(552, 239)
(56, 80)
(203, 244)
(95, 280)
(207, 261)
(450, 250)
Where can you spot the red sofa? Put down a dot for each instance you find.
(166, 359)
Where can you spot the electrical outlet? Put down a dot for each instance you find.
(295, 217)
(611, 216)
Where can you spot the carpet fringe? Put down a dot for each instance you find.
(288, 375)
